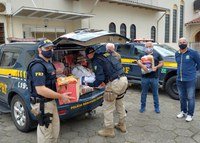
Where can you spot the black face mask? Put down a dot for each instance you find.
(183, 46)
(47, 54)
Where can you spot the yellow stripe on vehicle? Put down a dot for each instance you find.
(128, 60)
(166, 64)
(13, 73)
(170, 64)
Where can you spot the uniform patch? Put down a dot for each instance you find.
(39, 74)
(95, 68)
(106, 54)
(187, 57)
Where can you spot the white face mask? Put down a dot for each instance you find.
(148, 50)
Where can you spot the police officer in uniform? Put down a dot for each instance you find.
(109, 70)
(41, 81)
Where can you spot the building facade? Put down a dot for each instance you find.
(164, 21)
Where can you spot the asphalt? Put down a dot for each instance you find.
(147, 127)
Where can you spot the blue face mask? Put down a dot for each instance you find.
(47, 54)
(183, 46)
(148, 50)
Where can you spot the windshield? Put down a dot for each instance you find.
(165, 50)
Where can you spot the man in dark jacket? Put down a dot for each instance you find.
(109, 70)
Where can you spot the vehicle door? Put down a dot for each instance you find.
(8, 58)
(138, 49)
(126, 52)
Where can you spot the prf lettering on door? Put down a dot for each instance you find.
(126, 69)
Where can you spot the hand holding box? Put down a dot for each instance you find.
(72, 87)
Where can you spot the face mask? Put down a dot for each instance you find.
(148, 50)
(47, 54)
(183, 46)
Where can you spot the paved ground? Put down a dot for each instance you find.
(147, 127)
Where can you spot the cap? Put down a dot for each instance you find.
(89, 50)
(46, 43)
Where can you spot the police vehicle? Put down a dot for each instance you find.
(14, 59)
(167, 74)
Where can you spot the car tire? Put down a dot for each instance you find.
(20, 115)
(171, 88)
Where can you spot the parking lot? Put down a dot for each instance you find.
(147, 127)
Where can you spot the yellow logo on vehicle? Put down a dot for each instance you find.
(3, 88)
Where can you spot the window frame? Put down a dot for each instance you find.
(15, 54)
(133, 32)
(123, 29)
(112, 27)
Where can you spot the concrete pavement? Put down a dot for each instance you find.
(147, 127)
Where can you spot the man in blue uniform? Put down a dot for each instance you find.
(109, 70)
(41, 80)
(150, 75)
(188, 61)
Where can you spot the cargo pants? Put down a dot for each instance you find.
(118, 87)
(50, 134)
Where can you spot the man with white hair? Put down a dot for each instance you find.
(150, 75)
(110, 47)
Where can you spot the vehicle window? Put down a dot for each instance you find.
(168, 47)
(164, 52)
(9, 58)
(124, 50)
(138, 49)
(31, 54)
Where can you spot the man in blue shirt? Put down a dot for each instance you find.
(188, 61)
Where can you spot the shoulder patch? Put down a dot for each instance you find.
(106, 54)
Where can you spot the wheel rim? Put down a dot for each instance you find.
(19, 113)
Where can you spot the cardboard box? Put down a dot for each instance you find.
(71, 87)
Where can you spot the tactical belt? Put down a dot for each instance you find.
(117, 77)
(35, 100)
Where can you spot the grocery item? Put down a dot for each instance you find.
(148, 61)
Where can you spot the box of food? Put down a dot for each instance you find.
(72, 87)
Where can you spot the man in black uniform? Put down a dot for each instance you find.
(41, 80)
(109, 70)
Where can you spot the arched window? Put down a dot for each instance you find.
(167, 24)
(123, 29)
(174, 26)
(133, 32)
(181, 19)
(112, 27)
(153, 33)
